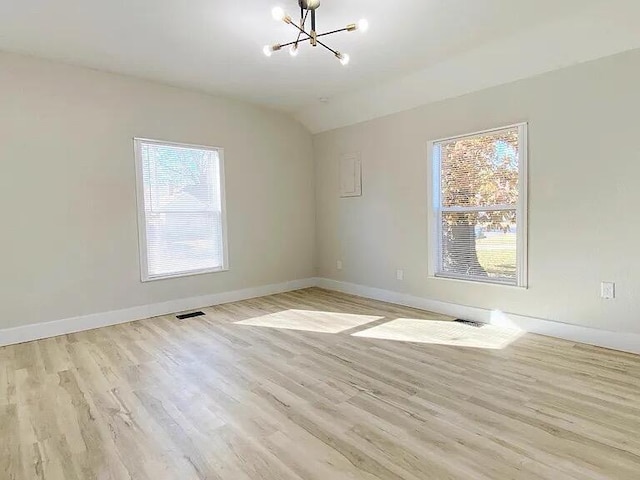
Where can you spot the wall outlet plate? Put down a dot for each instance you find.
(608, 290)
(339, 264)
(400, 274)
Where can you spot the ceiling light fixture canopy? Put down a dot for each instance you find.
(308, 9)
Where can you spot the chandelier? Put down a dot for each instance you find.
(308, 9)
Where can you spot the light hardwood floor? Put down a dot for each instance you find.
(273, 388)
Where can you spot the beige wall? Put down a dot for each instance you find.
(584, 195)
(67, 188)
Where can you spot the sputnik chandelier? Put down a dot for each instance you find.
(308, 9)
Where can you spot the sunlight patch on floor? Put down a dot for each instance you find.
(310, 321)
(443, 333)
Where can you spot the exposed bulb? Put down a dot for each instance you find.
(293, 51)
(278, 13)
(267, 50)
(344, 58)
(363, 25)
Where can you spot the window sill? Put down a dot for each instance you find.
(476, 282)
(184, 274)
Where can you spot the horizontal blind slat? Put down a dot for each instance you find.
(477, 213)
(183, 216)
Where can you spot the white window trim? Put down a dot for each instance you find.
(433, 190)
(142, 229)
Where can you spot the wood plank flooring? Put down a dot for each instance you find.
(293, 386)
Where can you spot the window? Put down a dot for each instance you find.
(180, 209)
(478, 217)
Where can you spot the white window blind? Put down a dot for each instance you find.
(479, 206)
(181, 209)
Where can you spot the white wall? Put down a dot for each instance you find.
(67, 190)
(584, 195)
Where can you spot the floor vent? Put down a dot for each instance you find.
(189, 315)
(471, 323)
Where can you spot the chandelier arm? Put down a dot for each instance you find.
(346, 29)
(301, 30)
(295, 42)
(335, 52)
(303, 20)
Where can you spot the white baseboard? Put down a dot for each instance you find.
(626, 342)
(37, 331)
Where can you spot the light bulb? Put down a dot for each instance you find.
(344, 58)
(278, 13)
(267, 50)
(293, 51)
(363, 25)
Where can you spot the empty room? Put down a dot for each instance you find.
(319, 240)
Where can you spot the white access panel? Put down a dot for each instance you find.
(350, 175)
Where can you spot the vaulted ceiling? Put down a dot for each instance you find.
(415, 51)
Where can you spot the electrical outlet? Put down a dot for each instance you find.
(608, 290)
(400, 274)
(339, 264)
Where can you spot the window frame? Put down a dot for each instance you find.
(434, 220)
(142, 220)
